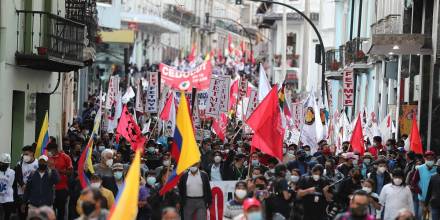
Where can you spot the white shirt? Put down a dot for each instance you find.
(27, 169)
(6, 181)
(395, 198)
(215, 173)
(194, 185)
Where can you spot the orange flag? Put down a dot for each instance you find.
(414, 139)
(357, 138)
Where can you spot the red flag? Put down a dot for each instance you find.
(357, 137)
(414, 139)
(220, 56)
(192, 55)
(265, 121)
(165, 114)
(129, 129)
(219, 126)
(233, 95)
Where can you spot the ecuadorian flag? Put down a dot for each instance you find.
(43, 138)
(126, 205)
(184, 137)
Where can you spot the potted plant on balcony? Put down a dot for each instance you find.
(334, 66)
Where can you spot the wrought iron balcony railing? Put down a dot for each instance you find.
(334, 59)
(391, 24)
(49, 42)
(354, 51)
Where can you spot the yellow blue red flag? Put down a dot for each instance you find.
(43, 138)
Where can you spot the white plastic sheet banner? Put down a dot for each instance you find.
(218, 96)
(152, 93)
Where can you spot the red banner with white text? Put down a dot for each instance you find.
(199, 77)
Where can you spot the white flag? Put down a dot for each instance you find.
(115, 114)
(386, 128)
(263, 84)
(139, 93)
(312, 130)
(129, 94)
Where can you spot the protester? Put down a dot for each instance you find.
(280, 201)
(114, 182)
(91, 205)
(23, 170)
(234, 207)
(104, 168)
(215, 170)
(60, 162)
(195, 193)
(40, 186)
(251, 210)
(395, 196)
(7, 176)
(358, 208)
(373, 198)
(380, 176)
(170, 213)
(107, 196)
(432, 199)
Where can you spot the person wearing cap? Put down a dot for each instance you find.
(24, 168)
(235, 206)
(108, 198)
(300, 163)
(252, 210)
(366, 165)
(7, 176)
(195, 193)
(39, 189)
(115, 182)
(433, 194)
(422, 177)
(62, 163)
(104, 168)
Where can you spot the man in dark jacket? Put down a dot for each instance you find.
(195, 193)
(433, 194)
(40, 186)
(380, 176)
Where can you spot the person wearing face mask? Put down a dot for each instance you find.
(108, 197)
(145, 188)
(234, 170)
(166, 163)
(300, 163)
(152, 155)
(252, 210)
(215, 170)
(373, 206)
(433, 194)
(75, 154)
(62, 163)
(115, 182)
(358, 209)
(23, 170)
(380, 176)
(280, 201)
(395, 196)
(255, 162)
(104, 168)
(314, 192)
(234, 206)
(91, 205)
(195, 193)
(7, 176)
(348, 186)
(39, 189)
(421, 179)
(366, 165)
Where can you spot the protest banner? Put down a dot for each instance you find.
(218, 96)
(222, 192)
(198, 78)
(113, 90)
(253, 102)
(152, 93)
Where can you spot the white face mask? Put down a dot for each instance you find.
(193, 169)
(367, 189)
(27, 158)
(240, 193)
(95, 185)
(381, 169)
(166, 162)
(315, 177)
(397, 181)
(217, 159)
(294, 179)
(109, 163)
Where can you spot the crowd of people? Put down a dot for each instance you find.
(386, 182)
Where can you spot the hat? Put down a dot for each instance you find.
(43, 157)
(5, 158)
(251, 202)
(429, 153)
(118, 166)
(368, 154)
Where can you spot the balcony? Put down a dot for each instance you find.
(49, 42)
(388, 39)
(334, 60)
(181, 16)
(355, 52)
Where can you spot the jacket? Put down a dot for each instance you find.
(386, 180)
(207, 196)
(40, 190)
(433, 193)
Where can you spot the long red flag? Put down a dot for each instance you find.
(357, 138)
(265, 121)
(414, 139)
(128, 128)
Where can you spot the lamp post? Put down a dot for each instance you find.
(321, 43)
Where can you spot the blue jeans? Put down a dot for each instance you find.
(416, 206)
(435, 213)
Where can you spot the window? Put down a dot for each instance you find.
(291, 44)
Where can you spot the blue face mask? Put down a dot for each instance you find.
(117, 175)
(255, 163)
(254, 216)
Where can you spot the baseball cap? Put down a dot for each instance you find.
(43, 157)
(5, 158)
(429, 153)
(251, 202)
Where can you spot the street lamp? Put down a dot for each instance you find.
(321, 43)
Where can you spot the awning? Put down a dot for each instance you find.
(151, 23)
(401, 44)
(117, 36)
